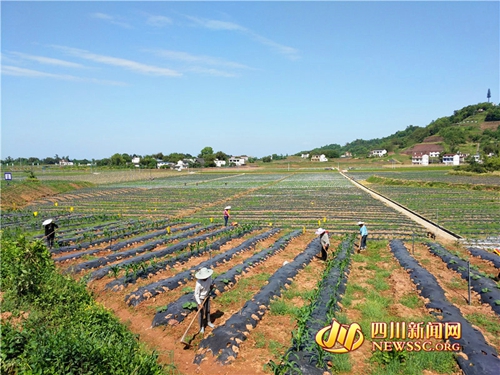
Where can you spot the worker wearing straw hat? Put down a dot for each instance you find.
(226, 214)
(363, 233)
(50, 232)
(202, 296)
(324, 241)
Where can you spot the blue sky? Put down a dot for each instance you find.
(91, 79)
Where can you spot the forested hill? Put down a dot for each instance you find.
(467, 125)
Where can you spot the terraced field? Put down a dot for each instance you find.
(138, 244)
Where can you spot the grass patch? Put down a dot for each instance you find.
(280, 307)
(485, 322)
(411, 300)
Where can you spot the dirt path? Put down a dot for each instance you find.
(440, 234)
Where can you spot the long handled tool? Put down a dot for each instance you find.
(183, 338)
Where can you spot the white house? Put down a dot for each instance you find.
(65, 162)
(451, 159)
(434, 154)
(238, 160)
(346, 154)
(378, 153)
(136, 160)
(320, 158)
(304, 156)
(181, 164)
(219, 163)
(420, 158)
(161, 163)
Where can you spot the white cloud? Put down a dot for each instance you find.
(289, 52)
(111, 19)
(123, 63)
(47, 60)
(158, 21)
(22, 72)
(211, 72)
(199, 59)
(216, 25)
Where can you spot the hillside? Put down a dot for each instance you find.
(463, 131)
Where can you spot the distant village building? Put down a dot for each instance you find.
(65, 162)
(219, 163)
(136, 160)
(319, 158)
(346, 154)
(304, 156)
(451, 159)
(420, 158)
(238, 160)
(164, 164)
(378, 153)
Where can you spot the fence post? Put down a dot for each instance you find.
(468, 277)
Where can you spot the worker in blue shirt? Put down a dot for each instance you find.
(363, 233)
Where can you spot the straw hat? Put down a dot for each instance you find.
(361, 222)
(47, 222)
(320, 231)
(203, 274)
(227, 207)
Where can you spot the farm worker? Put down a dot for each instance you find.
(226, 215)
(363, 233)
(324, 241)
(50, 232)
(202, 296)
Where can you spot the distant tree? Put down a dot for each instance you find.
(103, 162)
(267, 159)
(117, 160)
(207, 151)
(488, 95)
(127, 158)
(148, 162)
(332, 154)
(493, 114)
(49, 160)
(219, 155)
(209, 161)
(174, 157)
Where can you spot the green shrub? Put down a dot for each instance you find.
(25, 266)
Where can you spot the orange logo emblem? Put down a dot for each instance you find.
(340, 338)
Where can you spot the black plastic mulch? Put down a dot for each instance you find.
(102, 272)
(486, 255)
(224, 340)
(132, 252)
(181, 278)
(177, 312)
(480, 358)
(484, 286)
(121, 245)
(182, 258)
(306, 356)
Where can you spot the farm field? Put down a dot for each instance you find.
(137, 244)
(471, 213)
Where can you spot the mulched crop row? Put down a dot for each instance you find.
(224, 341)
(480, 358)
(151, 290)
(175, 312)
